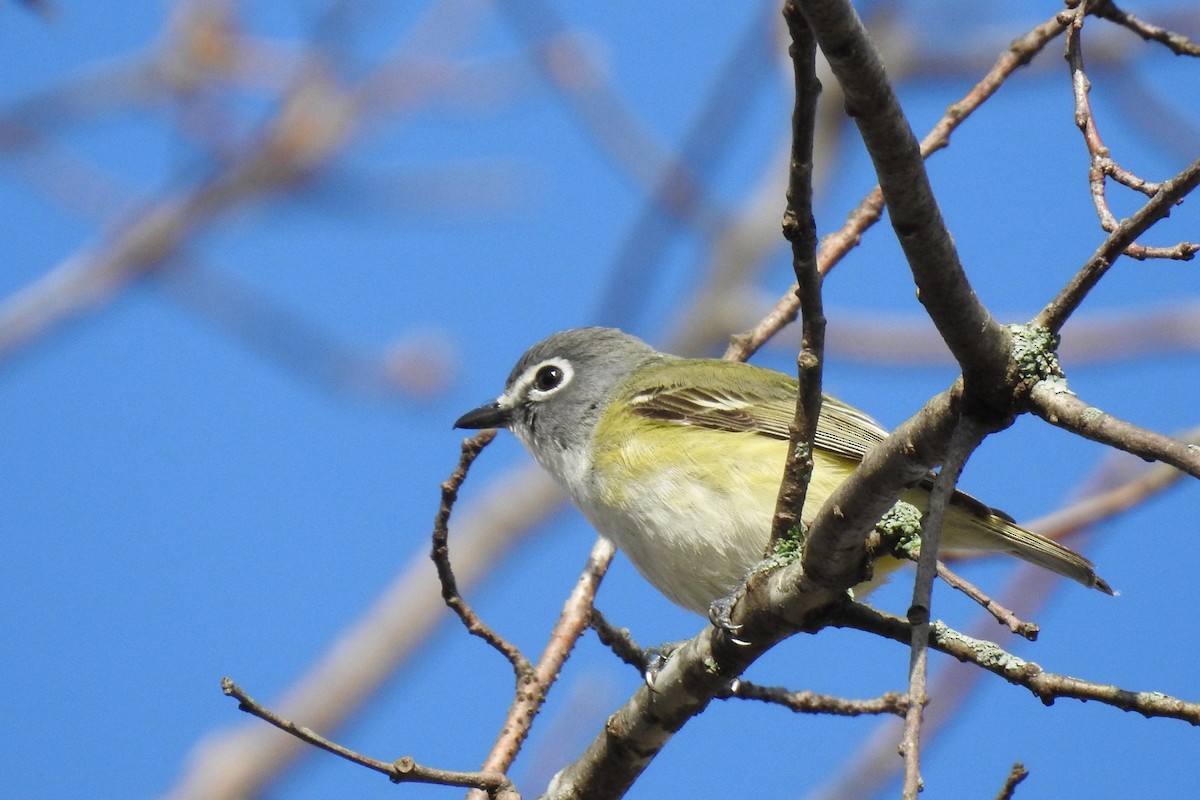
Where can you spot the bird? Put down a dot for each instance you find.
(678, 461)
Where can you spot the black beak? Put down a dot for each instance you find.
(487, 416)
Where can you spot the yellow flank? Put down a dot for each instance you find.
(692, 506)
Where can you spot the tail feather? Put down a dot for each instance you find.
(971, 525)
(997, 532)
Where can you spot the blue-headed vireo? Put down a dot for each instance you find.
(678, 460)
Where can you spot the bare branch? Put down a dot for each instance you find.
(800, 229)
(403, 770)
(1056, 313)
(699, 670)
(1017, 774)
(1046, 686)
(1055, 403)
(1103, 166)
(619, 640)
(966, 437)
(531, 693)
(1027, 630)
(441, 558)
(1178, 44)
(814, 703)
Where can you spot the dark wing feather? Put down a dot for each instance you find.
(736, 397)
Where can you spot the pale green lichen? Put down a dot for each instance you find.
(787, 549)
(1033, 354)
(901, 526)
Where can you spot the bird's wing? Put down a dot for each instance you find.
(731, 396)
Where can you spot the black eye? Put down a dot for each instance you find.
(547, 378)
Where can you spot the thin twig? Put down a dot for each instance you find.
(804, 702)
(967, 436)
(1056, 313)
(1028, 630)
(799, 228)
(1103, 166)
(1017, 774)
(531, 694)
(403, 770)
(440, 554)
(1004, 616)
(1058, 405)
(1179, 44)
(619, 640)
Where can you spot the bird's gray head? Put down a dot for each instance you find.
(556, 393)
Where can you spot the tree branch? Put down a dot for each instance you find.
(1058, 405)
(402, 770)
(531, 692)
(966, 437)
(1172, 191)
(800, 229)
(1046, 686)
(1177, 43)
(978, 342)
(440, 554)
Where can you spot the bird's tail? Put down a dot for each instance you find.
(970, 525)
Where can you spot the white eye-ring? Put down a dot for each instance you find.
(548, 377)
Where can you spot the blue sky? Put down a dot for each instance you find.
(189, 491)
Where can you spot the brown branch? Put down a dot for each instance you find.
(1055, 403)
(403, 770)
(1027, 630)
(1056, 313)
(441, 558)
(979, 343)
(619, 640)
(966, 437)
(1046, 686)
(1103, 166)
(622, 644)
(697, 671)
(800, 229)
(836, 245)
(1178, 44)
(1017, 774)
(814, 703)
(532, 690)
